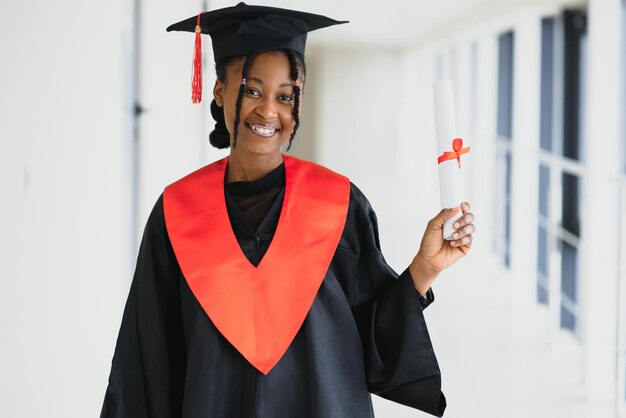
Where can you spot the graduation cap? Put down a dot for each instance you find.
(244, 29)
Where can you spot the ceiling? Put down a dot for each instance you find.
(384, 23)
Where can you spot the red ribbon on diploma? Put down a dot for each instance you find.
(457, 146)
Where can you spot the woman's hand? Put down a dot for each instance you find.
(435, 253)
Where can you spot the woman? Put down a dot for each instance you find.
(260, 288)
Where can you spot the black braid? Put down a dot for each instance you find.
(293, 63)
(219, 137)
(242, 88)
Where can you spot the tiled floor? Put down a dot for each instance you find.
(499, 361)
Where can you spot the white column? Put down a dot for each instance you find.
(484, 140)
(600, 207)
(525, 145)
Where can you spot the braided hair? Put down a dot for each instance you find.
(293, 63)
(242, 89)
(220, 137)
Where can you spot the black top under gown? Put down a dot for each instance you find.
(365, 331)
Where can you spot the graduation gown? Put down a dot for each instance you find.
(363, 333)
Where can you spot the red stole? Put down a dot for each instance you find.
(259, 309)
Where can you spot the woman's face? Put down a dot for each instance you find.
(266, 119)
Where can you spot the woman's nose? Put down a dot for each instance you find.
(266, 108)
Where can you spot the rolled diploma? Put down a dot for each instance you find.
(449, 173)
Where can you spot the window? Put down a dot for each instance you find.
(574, 58)
(505, 133)
(569, 242)
(543, 250)
(546, 116)
(562, 125)
(574, 52)
(505, 85)
(546, 132)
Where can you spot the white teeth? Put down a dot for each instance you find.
(262, 130)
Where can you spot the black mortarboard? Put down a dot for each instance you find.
(242, 30)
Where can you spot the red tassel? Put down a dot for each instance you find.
(196, 81)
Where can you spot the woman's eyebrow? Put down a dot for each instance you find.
(258, 80)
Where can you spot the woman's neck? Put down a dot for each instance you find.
(249, 168)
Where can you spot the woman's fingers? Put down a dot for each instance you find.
(467, 218)
(463, 227)
(464, 231)
(466, 240)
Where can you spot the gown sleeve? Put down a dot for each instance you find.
(399, 359)
(148, 366)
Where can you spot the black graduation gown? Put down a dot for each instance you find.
(365, 332)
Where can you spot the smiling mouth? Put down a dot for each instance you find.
(266, 131)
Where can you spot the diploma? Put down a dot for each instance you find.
(451, 152)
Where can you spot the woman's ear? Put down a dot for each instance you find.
(218, 93)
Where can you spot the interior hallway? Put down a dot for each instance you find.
(506, 363)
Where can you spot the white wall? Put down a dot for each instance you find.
(357, 133)
(64, 210)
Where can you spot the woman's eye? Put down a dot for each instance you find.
(285, 98)
(252, 92)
